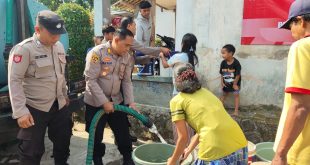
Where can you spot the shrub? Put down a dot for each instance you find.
(80, 31)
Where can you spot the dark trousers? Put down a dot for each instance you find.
(118, 122)
(59, 124)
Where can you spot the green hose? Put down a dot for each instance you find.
(93, 126)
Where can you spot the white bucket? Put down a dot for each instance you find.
(251, 152)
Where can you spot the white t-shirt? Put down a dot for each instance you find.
(177, 58)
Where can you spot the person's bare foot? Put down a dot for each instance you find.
(236, 113)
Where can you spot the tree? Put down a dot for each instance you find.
(54, 4)
(51, 4)
(80, 31)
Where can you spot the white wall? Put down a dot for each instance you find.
(101, 15)
(165, 26)
(219, 22)
(165, 22)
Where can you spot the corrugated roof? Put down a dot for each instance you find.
(167, 4)
(128, 5)
(132, 5)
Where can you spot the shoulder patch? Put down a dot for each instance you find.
(95, 58)
(17, 58)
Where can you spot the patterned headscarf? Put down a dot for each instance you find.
(186, 79)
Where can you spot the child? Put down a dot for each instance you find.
(97, 41)
(187, 55)
(231, 75)
(219, 142)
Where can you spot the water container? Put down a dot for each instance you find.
(156, 154)
(251, 152)
(264, 151)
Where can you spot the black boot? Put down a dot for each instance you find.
(97, 160)
(127, 160)
(133, 138)
(98, 154)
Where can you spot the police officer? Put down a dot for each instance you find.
(129, 23)
(107, 71)
(38, 91)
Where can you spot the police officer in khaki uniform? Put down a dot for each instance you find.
(152, 52)
(107, 72)
(38, 91)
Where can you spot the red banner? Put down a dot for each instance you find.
(261, 22)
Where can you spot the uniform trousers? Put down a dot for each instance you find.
(59, 125)
(119, 124)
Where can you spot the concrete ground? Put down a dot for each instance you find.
(78, 149)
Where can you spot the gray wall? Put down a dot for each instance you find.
(219, 22)
(153, 90)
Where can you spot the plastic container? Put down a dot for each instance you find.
(251, 152)
(264, 151)
(155, 154)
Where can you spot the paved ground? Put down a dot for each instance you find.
(77, 148)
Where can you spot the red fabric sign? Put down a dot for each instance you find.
(261, 19)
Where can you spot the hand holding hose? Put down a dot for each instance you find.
(133, 106)
(108, 107)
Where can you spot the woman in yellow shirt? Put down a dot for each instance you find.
(220, 139)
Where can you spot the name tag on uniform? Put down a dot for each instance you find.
(106, 61)
(40, 56)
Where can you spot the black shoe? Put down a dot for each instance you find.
(97, 160)
(133, 138)
(128, 162)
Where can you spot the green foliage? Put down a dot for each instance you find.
(80, 30)
(54, 4)
(158, 42)
(51, 4)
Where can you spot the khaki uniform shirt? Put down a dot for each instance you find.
(36, 75)
(154, 51)
(105, 75)
(104, 41)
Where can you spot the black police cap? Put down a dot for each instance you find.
(52, 22)
(145, 5)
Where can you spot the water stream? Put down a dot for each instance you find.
(154, 130)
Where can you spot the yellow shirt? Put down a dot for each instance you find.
(297, 81)
(219, 134)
